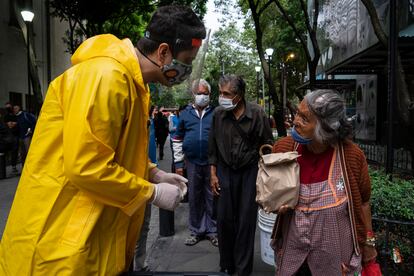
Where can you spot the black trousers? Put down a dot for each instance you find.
(160, 145)
(236, 218)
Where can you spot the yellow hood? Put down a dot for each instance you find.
(108, 45)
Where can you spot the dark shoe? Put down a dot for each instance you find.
(214, 241)
(192, 240)
(229, 271)
(144, 269)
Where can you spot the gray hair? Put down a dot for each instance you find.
(237, 84)
(201, 82)
(329, 108)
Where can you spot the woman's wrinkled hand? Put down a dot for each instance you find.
(369, 253)
(283, 209)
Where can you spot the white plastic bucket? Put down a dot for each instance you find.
(265, 223)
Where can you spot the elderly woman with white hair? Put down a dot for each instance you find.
(330, 228)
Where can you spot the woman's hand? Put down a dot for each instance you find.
(283, 209)
(369, 253)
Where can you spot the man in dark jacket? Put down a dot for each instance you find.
(161, 132)
(238, 130)
(190, 143)
(26, 123)
(10, 121)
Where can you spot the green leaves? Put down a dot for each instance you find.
(392, 199)
(126, 18)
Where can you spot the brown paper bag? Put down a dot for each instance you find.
(277, 180)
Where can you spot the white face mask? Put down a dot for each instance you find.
(227, 103)
(202, 100)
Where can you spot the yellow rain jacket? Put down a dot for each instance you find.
(80, 202)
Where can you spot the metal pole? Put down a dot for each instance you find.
(270, 83)
(28, 64)
(263, 90)
(166, 221)
(284, 89)
(392, 58)
(257, 87)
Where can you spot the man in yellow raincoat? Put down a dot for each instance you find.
(81, 198)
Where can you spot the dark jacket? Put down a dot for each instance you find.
(191, 136)
(236, 143)
(25, 120)
(7, 139)
(161, 126)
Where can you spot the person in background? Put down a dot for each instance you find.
(10, 121)
(80, 202)
(173, 120)
(7, 139)
(238, 130)
(26, 123)
(190, 145)
(173, 125)
(330, 229)
(161, 132)
(152, 146)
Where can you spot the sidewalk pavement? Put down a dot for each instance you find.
(7, 190)
(171, 254)
(163, 253)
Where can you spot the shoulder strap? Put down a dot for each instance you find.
(348, 191)
(295, 146)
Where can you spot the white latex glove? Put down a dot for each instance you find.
(160, 176)
(166, 196)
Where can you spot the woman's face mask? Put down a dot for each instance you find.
(176, 72)
(226, 103)
(299, 138)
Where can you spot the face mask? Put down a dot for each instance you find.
(227, 103)
(176, 72)
(202, 100)
(300, 139)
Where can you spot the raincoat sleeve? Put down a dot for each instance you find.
(94, 118)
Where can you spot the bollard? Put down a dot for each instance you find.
(166, 223)
(2, 165)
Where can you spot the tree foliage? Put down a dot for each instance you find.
(266, 27)
(126, 18)
(230, 52)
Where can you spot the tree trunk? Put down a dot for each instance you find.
(403, 95)
(312, 72)
(280, 121)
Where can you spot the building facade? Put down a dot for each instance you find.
(355, 62)
(48, 56)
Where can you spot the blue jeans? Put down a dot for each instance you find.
(200, 199)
